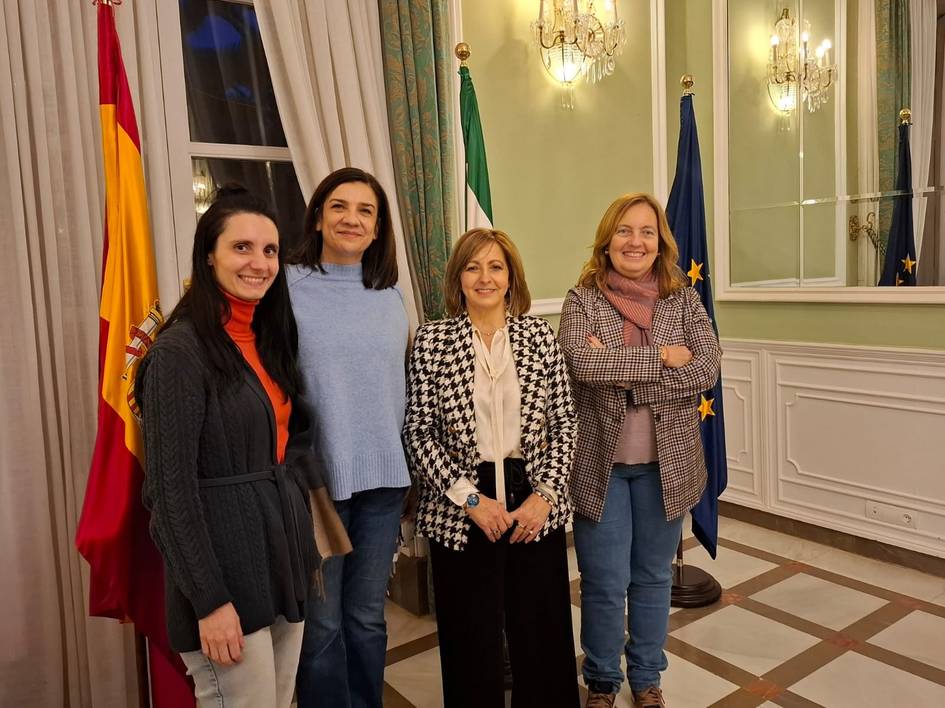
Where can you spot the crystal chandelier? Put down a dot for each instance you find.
(579, 38)
(794, 73)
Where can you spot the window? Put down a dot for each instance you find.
(215, 74)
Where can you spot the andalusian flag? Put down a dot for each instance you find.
(685, 212)
(126, 569)
(478, 198)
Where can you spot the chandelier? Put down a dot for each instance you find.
(794, 73)
(579, 39)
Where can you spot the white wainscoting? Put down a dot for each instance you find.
(850, 438)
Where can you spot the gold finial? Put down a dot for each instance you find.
(686, 82)
(462, 53)
(905, 116)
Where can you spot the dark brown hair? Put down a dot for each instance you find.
(379, 262)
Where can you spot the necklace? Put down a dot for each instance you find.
(487, 332)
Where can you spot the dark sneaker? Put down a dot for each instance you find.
(650, 698)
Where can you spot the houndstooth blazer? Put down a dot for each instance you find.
(599, 378)
(440, 426)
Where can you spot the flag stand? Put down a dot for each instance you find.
(692, 586)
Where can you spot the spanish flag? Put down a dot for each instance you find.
(126, 569)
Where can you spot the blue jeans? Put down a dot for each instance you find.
(626, 560)
(345, 643)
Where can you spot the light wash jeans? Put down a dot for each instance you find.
(626, 560)
(345, 645)
(264, 676)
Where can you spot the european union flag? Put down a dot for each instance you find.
(900, 265)
(686, 214)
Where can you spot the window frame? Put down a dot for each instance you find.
(180, 148)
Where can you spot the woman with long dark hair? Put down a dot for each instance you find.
(352, 348)
(229, 464)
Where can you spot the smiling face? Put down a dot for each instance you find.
(485, 281)
(245, 258)
(635, 244)
(348, 222)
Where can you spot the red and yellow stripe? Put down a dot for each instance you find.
(126, 569)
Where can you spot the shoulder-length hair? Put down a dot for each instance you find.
(379, 262)
(206, 307)
(669, 275)
(518, 299)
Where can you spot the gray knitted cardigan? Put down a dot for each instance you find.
(230, 523)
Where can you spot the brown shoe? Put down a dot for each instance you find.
(600, 700)
(650, 698)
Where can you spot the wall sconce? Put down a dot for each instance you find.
(794, 73)
(576, 40)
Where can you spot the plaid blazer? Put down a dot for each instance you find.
(600, 378)
(440, 426)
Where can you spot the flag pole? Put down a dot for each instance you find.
(692, 586)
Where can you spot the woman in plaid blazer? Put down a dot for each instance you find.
(639, 348)
(490, 436)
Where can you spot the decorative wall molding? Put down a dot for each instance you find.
(849, 438)
(658, 102)
(548, 306)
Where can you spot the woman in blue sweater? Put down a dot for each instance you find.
(352, 348)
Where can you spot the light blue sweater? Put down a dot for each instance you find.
(352, 349)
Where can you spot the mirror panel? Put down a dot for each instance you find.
(802, 183)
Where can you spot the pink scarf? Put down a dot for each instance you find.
(634, 300)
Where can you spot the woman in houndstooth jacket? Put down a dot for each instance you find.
(639, 348)
(490, 436)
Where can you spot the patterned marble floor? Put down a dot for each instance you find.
(799, 624)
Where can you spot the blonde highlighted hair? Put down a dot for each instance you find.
(668, 273)
(518, 300)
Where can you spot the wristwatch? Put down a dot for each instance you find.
(471, 501)
(663, 354)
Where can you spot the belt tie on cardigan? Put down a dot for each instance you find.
(280, 475)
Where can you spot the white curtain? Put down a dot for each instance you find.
(51, 213)
(51, 221)
(325, 61)
(866, 139)
(922, 21)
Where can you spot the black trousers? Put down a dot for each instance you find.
(522, 588)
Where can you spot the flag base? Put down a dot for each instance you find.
(693, 587)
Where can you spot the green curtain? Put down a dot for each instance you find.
(418, 72)
(893, 92)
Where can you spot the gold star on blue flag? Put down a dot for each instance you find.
(695, 272)
(705, 407)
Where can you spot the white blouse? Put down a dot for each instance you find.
(497, 402)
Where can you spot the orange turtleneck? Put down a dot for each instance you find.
(240, 329)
